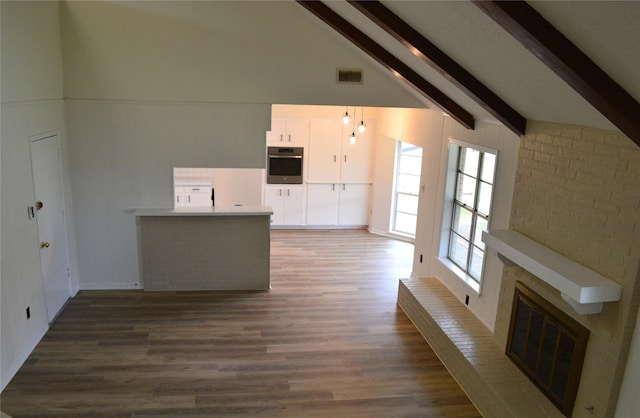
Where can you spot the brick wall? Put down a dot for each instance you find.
(577, 191)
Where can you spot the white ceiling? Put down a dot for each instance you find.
(607, 31)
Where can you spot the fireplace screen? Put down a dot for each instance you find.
(547, 345)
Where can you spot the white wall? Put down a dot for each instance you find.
(497, 137)
(31, 104)
(122, 158)
(31, 51)
(432, 130)
(422, 127)
(222, 51)
(154, 85)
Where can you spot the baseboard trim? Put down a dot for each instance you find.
(391, 235)
(11, 372)
(111, 286)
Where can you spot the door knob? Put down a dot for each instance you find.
(44, 245)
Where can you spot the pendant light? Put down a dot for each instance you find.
(352, 138)
(345, 118)
(361, 126)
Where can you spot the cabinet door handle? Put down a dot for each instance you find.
(279, 192)
(281, 138)
(288, 192)
(344, 187)
(345, 158)
(334, 159)
(289, 137)
(333, 187)
(189, 198)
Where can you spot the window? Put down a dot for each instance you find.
(407, 188)
(471, 195)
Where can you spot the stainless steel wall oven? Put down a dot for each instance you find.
(284, 165)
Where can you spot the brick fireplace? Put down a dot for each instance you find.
(576, 192)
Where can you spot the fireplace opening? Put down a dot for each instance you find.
(548, 346)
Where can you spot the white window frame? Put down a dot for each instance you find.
(394, 203)
(448, 210)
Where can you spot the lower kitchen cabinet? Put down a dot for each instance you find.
(287, 203)
(337, 204)
(192, 195)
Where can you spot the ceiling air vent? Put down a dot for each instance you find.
(349, 75)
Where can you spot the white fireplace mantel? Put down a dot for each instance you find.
(582, 288)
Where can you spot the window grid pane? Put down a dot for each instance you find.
(408, 183)
(471, 207)
(466, 190)
(406, 223)
(407, 203)
(462, 220)
(458, 250)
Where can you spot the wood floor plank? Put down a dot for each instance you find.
(327, 340)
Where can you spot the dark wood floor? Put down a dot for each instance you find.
(327, 341)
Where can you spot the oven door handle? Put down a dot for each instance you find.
(285, 156)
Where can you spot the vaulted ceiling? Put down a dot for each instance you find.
(607, 32)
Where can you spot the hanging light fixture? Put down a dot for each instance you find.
(345, 118)
(352, 138)
(361, 126)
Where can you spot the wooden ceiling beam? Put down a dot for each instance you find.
(389, 61)
(558, 53)
(438, 60)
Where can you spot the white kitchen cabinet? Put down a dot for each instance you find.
(288, 132)
(323, 201)
(288, 204)
(191, 195)
(324, 150)
(337, 204)
(355, 164)
(354, 204)
(332, 156)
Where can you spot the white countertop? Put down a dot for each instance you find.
(207, 211)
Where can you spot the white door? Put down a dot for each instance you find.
(52, 235)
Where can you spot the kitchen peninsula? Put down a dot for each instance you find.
(205, 248)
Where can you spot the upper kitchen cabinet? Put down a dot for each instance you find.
(285, 132)
(332, 156)
(355, 164)
(324, 150)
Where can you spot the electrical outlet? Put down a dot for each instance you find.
(466, 300)
(28, 312)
